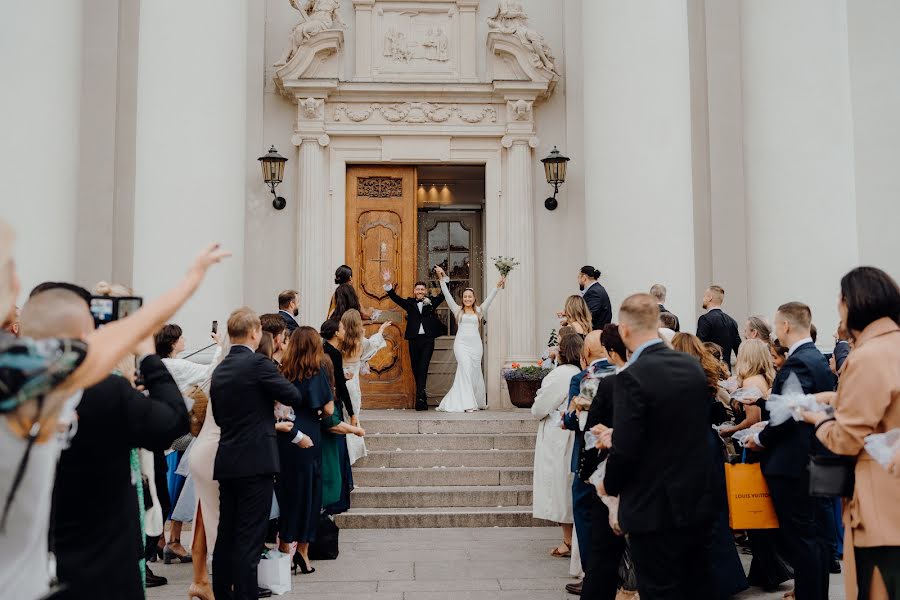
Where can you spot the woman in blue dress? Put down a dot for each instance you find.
(299, 485)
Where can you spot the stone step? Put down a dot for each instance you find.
(449, 516)
(436, 496)
(448, 458)
(477, 423)
(451, 441)
(449, 476)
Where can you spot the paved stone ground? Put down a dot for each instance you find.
(437, 564)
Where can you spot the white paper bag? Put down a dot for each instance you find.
(274, 572)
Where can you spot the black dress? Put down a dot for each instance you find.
(299, 486)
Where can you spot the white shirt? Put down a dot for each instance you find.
(793, 348)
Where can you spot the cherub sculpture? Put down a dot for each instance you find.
(317, 16)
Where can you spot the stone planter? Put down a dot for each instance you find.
(523, 391)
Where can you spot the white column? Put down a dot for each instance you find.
(798, 154)
(191, 152)
(518, 220)
(40, 63)
(637, 155)
(314, 268)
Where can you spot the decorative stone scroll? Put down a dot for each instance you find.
(379, 187)
(416, 112)
(314, 44)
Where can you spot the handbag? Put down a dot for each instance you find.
(832, 476)
(198, 411)
(325, 546)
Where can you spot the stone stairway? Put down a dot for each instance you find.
(444, 470)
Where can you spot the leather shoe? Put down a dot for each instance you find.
(574, 588)
(152, 580)
(262, 592)
(421, 405)
(835, 567)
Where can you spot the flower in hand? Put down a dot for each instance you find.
(502, 283)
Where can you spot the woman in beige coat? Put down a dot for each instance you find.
(868, 401)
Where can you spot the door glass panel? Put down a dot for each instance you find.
(437, 240)
(459, 265)
(459, 238)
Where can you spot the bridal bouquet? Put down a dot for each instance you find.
(505, 264)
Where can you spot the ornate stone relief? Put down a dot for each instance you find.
(310, 107)
(434, 45)
(379, 187)
(416, 112)
(512, 19)
(316, 17)
(519, 110)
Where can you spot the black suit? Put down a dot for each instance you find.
(663, 309)
(659, 467)
(244, 389)
(289, 321)
(598, 303)
(421, 329)
(98, 558)
(785, 462)
(717, 327)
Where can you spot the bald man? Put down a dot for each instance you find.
(659, 462)
(113, 418)
(596, 364)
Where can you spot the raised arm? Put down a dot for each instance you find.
(482, 310)
(444, 280)
(109, 344)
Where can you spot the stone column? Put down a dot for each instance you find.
(639, 213)
(191, 153)
(40, 58)
(315, 272)
(798, 154)
(517, 217)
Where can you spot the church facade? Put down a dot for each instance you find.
(752, 144)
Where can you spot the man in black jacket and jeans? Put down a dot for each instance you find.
(243, 392)
(659, 462)
(422, 327)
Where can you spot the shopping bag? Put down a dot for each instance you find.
(274, 572)
(749, 502)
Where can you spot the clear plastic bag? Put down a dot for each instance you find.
(590, 439)
(791, 402)
(730, 384)
(611, 502)
(883, 446)
(746, 395)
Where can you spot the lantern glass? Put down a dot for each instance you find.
(272, 165)
(555, 167)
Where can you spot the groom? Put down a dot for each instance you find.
(422, 326)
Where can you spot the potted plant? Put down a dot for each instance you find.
(523, 383)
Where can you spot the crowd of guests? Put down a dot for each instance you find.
(638, 420)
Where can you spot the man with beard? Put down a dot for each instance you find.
(595, 296)
(289, 308)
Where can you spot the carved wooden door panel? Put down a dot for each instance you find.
(381, 234)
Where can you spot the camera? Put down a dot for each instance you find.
(106, 309)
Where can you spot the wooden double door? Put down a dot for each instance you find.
(381, 234)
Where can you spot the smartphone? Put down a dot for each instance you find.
(106, 309)
(215, 327)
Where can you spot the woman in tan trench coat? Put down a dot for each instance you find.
(868, 401)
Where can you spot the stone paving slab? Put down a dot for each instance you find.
(439, 564)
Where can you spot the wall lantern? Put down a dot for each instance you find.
(273, 173)
(555, 170)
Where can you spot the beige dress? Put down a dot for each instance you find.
(202, 459)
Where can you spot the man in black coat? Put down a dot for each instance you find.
(716, 326)
(658, 291)
(243, 392)
(595, 296)
(99, 557)
(659, 462)
(289, 308)
(422, 327)
(785, 456)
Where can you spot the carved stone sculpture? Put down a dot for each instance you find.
(317, 16)
(511, 18)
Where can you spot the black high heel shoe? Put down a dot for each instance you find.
(169, 556)
(299, 562)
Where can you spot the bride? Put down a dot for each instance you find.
(467, 393)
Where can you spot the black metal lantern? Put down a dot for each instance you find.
(273, 173)
(555, 171)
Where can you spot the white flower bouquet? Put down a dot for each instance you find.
(505, 264)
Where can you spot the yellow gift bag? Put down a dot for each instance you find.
(749, 502)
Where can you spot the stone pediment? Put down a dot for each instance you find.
(318, 58)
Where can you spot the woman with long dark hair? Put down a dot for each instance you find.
(345, 296)
(867, 401)
(299, 486)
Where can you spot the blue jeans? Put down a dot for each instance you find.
(582, 505)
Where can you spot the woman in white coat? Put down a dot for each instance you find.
(553, 449)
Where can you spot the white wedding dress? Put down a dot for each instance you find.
(468, 391)
(356, 446)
